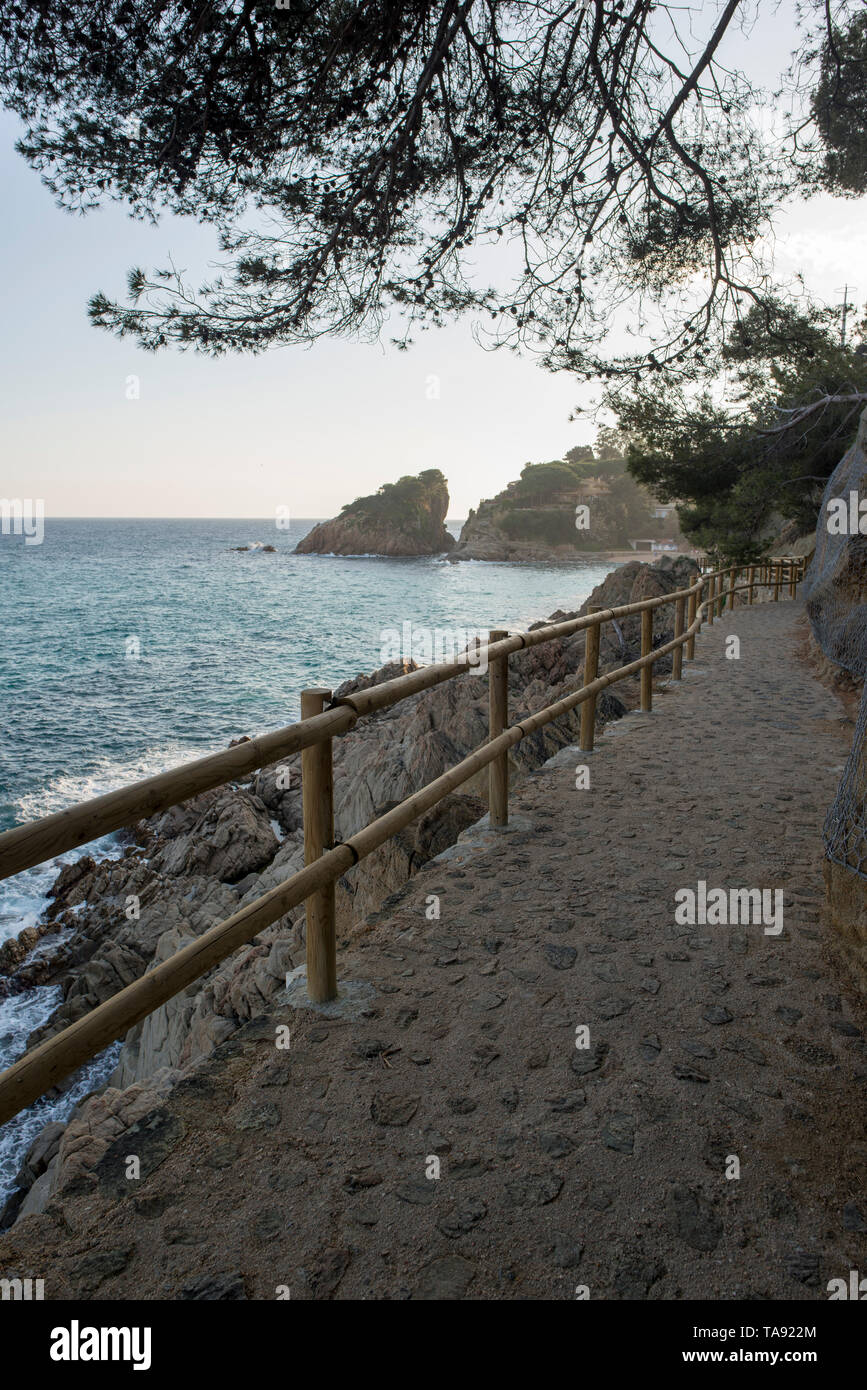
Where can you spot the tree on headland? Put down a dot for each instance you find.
(354, 155)
(540, 505)
(406, 502)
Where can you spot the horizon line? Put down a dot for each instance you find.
(64, 516)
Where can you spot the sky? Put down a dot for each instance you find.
(96, 427)
(309, 429)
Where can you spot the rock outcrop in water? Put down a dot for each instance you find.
(536, 518)
(191, 867)
(402, 518)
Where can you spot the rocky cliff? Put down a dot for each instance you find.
(484, 538)
(836, 586)
(402, 518)
(836, 591)
(191, 867)
(536, 517)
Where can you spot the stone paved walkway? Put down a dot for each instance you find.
(561, 1168)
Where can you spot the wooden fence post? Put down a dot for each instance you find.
(711, 602)
(677, 654)
(591, 671)
(793, 583)
(777, 573)
(751, 580)
(733, 574)
(647, 671)
(498, 717)
(690, 619)
(317, 796)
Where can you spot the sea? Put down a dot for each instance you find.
(131, 646)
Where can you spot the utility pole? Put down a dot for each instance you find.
(845, 293)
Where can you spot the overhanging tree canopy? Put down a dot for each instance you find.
(355, 155)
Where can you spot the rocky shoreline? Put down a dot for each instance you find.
(181, 872)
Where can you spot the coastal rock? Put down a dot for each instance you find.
(17, 948)
(229, 836)
(836, 601)
(40, 1154)
(66, 1158)
(70, 876)
(114, 938)
(279, 785)
(836, 582)
(365, 888)
(402, 518)
(163, 1038)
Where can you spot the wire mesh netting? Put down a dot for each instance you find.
(836, 593)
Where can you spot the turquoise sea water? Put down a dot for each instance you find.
(130, 646)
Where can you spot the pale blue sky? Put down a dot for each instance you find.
(305, 429)
(309, 429)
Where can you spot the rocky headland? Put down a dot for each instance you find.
(402, 518)
(560, 512)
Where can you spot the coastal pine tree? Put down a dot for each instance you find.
(744, 454)
(355, 157)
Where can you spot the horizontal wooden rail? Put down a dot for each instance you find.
(59, 1056)
(56, 1058)
(38, 841)
(44, 839)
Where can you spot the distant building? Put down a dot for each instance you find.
(589, 488)
(654, 544)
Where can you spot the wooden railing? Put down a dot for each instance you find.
(322, 720)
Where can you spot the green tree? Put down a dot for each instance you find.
(838, 105)
(579, 456)
(739, 455)
(410, 503)
(545, 479)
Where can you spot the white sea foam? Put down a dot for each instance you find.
(23, 899)
(108, 774)
(19, 1016)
